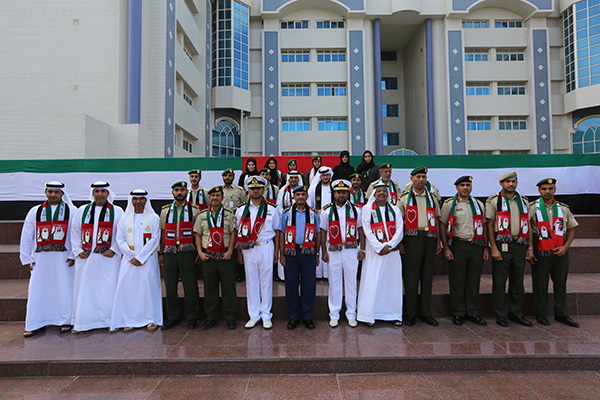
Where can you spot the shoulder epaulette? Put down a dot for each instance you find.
(166, 206)
(563, 204)
(448, 199)
(195, 206)
(525, 197)
(287, 209)
(205, 210)
(326, 206)
(271, 204)
(492, 196)
(242, 205)
(404, 193)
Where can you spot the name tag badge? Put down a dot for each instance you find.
(504, 247)
(231, 204)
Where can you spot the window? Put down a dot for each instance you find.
(478, 89)
(295, 90)
(330, 24)
(391, 139)
(586, 138)
(512, 124)
(187, 52)
(476, 55)
(187, 145)
(389, 83)
(511, 88)
(508, 24)
(513, 152)
(226, 139)
(587, 26)
(388, 56)
(569, 49)
(295, 56)
(331, 89)
(230, 44)
(331, 55)
(510, 55)
(474, 24)
(332, 124)
(295, 124)
(294, 24)
(403, 152)
(187, 98)
(390, 110)
(479, 123)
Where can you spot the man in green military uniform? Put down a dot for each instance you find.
(549, 219)
(178, 256)
(507, 222)
(233, 196)
(465, 247)
(215, 230)
(420, 245)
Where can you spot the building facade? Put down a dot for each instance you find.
(177, 78)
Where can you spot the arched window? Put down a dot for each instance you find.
(403, 152)
(226, 139)
(586, 138)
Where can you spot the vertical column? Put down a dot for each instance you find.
(271, 91)
(357, 93)
(378, 101)
(430, 108)
(170, 80)
(207, 78)
(134, 62)
(457, 92)
(541, 82)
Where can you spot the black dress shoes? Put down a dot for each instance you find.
(193, 324)
(567, 320)
(293, 323)
(429, 320)
(207, 325)
(169, 324)
(410, 321)
(477, 319)
(502, 321)
(309, 323)
(542, 321)
(457, 320)
(520, 320)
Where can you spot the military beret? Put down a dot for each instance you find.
(387, 165)
(216, 189)
(546, 181)
(227, 171)
(138, 193)
(182, 184)
(463, 179)
(267, 170)
(300, 189)
(257, 182)
(421, 169)
(195, 171)
(355, 175)
(100, 185)
(506, 175)
(341, 184)
(315, 158)
(291, 160)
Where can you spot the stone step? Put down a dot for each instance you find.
(585, 259)
(583, 297)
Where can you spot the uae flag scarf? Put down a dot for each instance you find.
(105, 230)
(477, 238)
(310, 231)
(503, 219)
(248, 232)
(51, 230)
(411, 227)
(550, 235)
(334, 231)
(216, 238)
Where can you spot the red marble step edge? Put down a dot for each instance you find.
(584, 260)
(332, 365)
(13, 310)
(10, 232)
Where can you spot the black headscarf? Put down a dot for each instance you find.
(364, 166)
(344, 169)
(274, 171)
(248, 173)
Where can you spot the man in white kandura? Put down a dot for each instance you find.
(380, 294)
(319, 195)
(341, 223)
(138, 298)
(98, 261)
(49, 258)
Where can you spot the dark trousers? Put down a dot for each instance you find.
(222, 271)
(511, 268)
(464, 276)
(546, 267)
(300, 270)
(176, 265)
(417, 265)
